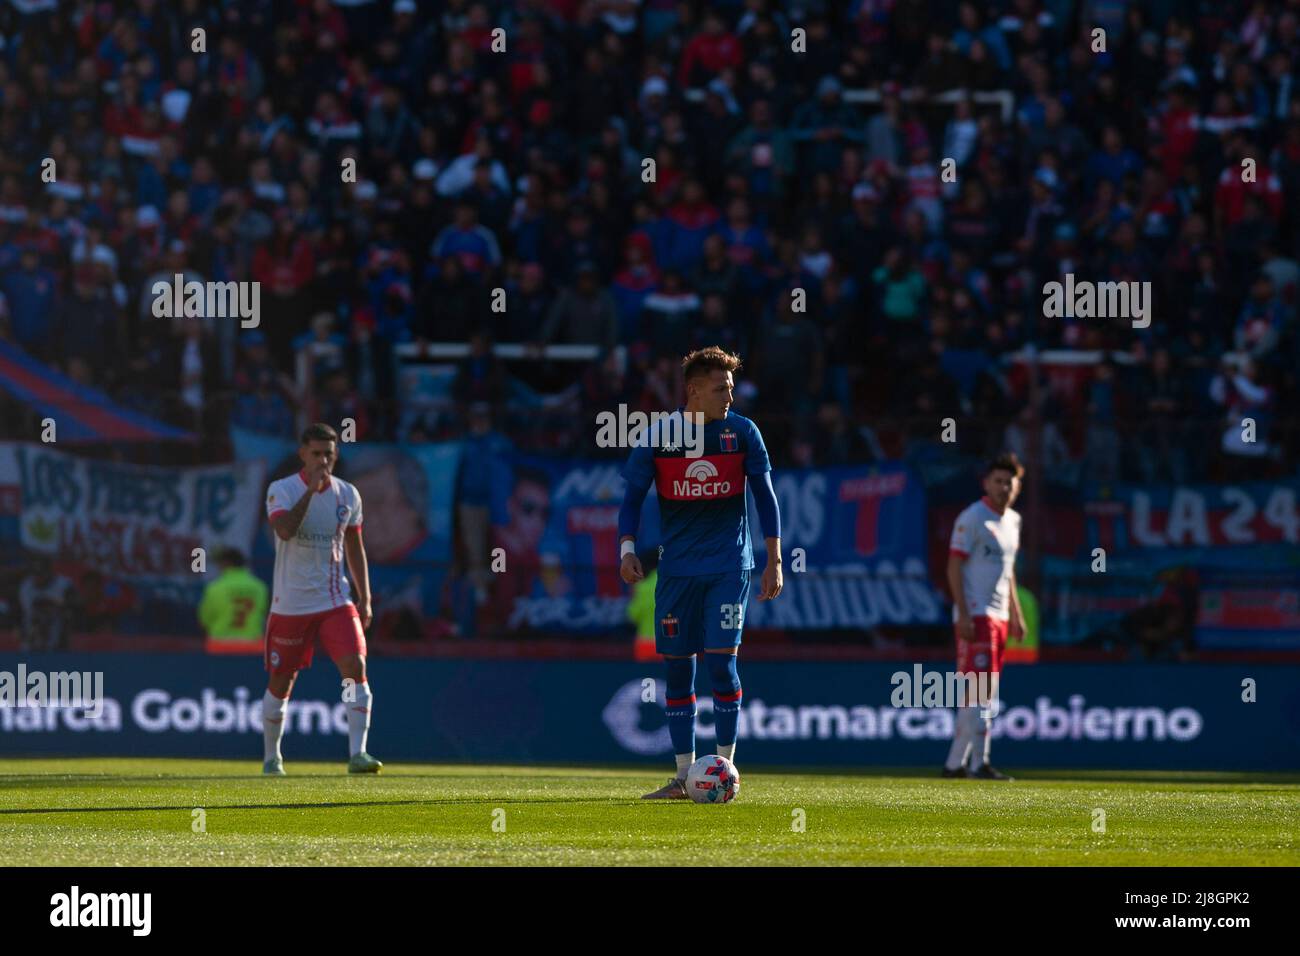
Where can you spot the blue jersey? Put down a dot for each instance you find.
(703, 515)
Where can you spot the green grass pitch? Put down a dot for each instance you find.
(141, 812)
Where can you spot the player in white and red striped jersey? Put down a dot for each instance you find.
(982, 577)
(317, 522)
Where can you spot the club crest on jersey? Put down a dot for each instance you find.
(669, 626)
(729, 440)
(342, 512)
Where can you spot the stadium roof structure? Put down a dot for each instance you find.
(84, 415)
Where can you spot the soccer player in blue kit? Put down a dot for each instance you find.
(706, 556)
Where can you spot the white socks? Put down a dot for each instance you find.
(727, 752)
(970, 736)
(960, 741)
(979, 738)
(684, 762)
(273, 711)
(359, 719)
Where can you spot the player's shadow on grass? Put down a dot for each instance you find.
(1084, 777)
(1044, 775)
(18, 781)
(327, 805)
(24, 780)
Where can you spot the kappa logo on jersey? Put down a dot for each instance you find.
(682, 479)
(729, 440)
(669, 626)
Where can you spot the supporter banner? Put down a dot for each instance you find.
(1195, 520)
(407, 497)
(1141, 716)
(133, 523)
(11, 494)
(1221, 607)
(1223, 556)
(141, 521)
(1078, 605)
(860, 532)
(1255, 609)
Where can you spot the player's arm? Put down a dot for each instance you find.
(769, 519)
(758, 468)
(286, 523)
(629, 519)
(358, 571)
(638, 475)
(1016, 626)
(960, 546)
(965, 626)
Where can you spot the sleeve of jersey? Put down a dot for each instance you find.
(962, 532)
(275, 505)
(756, 460)
(355, 520)
(769, 512)
(638, 473)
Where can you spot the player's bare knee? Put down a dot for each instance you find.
(353, 667)
(281, 685)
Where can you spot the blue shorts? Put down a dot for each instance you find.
(699, 613)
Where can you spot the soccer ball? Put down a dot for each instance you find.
(713, 779)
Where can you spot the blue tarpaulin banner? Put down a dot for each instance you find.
(860, 532)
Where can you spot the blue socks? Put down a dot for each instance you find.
(680, 711)
(726, 699)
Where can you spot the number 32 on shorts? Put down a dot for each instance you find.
(731, 616)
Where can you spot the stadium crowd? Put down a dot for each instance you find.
(525, 169)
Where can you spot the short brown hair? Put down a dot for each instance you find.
(319, 432)
(705, 360)
(1007, 461)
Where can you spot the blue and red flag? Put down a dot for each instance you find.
(83, 414)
